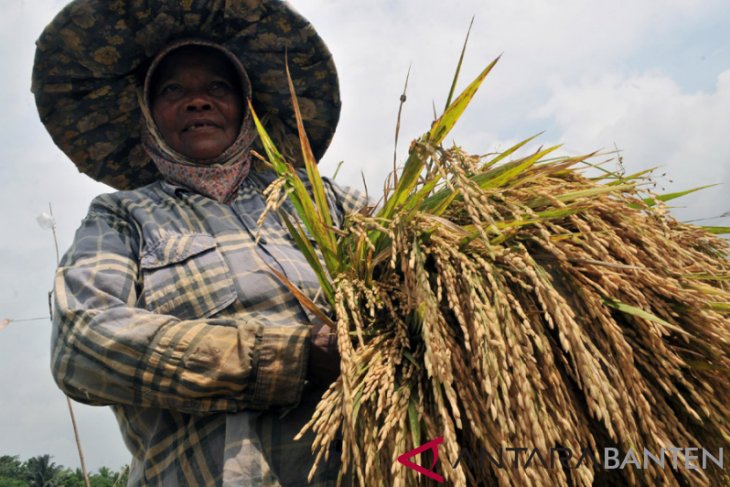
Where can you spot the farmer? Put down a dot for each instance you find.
(166, 307)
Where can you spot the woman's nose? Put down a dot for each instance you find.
(197, 103)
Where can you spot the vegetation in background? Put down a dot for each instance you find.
(40, 471)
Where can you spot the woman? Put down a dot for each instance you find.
(165, 304)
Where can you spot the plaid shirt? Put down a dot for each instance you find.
(166, 310)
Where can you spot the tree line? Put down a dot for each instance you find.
(40, 471)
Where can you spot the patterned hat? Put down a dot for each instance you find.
(91, 59)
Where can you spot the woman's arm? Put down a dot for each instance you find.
(105, 350)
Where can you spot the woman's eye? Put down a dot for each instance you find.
(171, 91)
(218, 88)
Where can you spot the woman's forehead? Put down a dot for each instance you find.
(186, 58)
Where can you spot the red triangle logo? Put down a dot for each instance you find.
(431, 445)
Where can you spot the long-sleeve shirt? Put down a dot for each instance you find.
(166, 310)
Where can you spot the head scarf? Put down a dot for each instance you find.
(217, 178)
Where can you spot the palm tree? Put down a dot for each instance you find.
(42, 472)
(11, 467)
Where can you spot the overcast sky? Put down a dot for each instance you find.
(651, 77)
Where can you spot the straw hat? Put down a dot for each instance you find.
(91, 58)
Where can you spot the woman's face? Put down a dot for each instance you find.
(197, 102)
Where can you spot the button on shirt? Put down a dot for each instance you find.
(166, 309)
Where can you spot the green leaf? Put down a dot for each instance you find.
(408, 355)
(503, 155)
(356, 402)
(306, 248)
(415, 422)
(585, 193)
(407, 181)
(542, 216)
(441, 127)
(337, 170)
(301, 200)
(275, 157)
(716, 230)
(510, 226)
(705, 366)
(309, 161)
(439, 202)
(443, 203)
(458, 68)
(640, 313)
(651, 201)
(630, 177)
(704, 276)
(439, 130)
(590, 193)
(506, 173)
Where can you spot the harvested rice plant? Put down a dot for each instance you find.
(512, 300)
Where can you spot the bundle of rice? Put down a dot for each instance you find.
(519, 304)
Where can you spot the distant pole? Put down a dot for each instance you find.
(68, 399)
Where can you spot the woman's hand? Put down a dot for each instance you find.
(324, 358)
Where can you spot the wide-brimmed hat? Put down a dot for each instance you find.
(91, 58)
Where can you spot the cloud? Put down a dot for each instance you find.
(577, 54)
(543, 42)
(654, 123)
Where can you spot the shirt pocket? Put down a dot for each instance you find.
(185, 276)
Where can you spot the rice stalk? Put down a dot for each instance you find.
(501, 303)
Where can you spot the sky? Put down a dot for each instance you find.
(648, 77)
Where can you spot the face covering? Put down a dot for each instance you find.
(217, 178)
